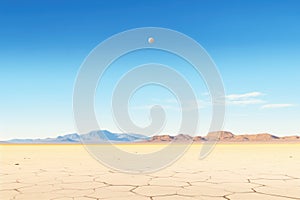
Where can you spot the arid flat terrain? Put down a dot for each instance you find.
(231, 171)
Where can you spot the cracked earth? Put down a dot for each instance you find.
(68, 172)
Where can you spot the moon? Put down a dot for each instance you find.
(150, 40)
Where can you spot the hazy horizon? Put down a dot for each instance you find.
(170, 134)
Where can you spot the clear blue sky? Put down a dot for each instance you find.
(255, 44)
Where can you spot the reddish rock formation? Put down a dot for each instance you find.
(225, 136)
(260, 137)
(289, 138)
(219, 135)
(198, 139)
(161, 138)
(182, 137)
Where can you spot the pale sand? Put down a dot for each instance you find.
(235, 171)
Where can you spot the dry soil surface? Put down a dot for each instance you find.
(231, 171)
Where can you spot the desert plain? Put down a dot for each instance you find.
(238, 171)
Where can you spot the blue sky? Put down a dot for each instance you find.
(255, 44)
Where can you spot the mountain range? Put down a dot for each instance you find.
(105, 136)
(225, 136)
(91, 137)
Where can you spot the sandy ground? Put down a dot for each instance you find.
(235, 171)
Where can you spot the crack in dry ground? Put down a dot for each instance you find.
(146, 190)
(210, 179)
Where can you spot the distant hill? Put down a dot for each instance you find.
(105, 136)
(225, 136)
(91, 137)
(230, 137)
